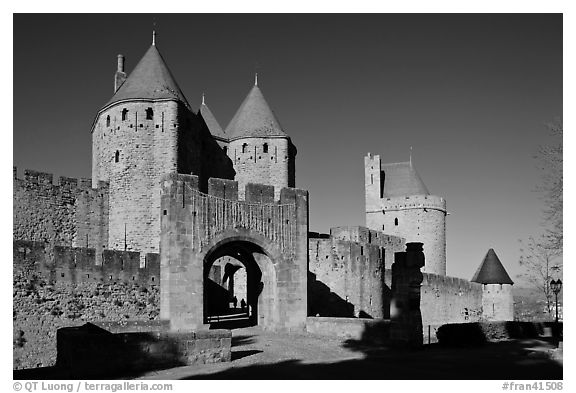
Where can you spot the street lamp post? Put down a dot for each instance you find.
(556, 286)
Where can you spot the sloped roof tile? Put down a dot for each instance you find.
(254, 118)
(401, 179)
(150, 79)
(491, 271)
(211, 122)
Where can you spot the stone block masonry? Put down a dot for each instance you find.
(271, 235)
(497, 302)
(263, 160)
(368, 331)
(132, 152)
(70, 213)
(133, 145)
(416, 218)
(347, 273)
(450, 300)
(63, 286)
(90, 351)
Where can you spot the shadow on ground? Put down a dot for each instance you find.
(516, 359)
(503, 360)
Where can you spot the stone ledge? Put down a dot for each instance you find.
(90, 350)
(360, 329)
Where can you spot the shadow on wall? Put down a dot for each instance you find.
(325, 303)
(374, 335)
(218, 298)
(89, 351)
(386, 297)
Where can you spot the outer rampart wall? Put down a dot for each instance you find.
(449, 300)
(62, 287)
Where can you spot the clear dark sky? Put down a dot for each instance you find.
(470, 93)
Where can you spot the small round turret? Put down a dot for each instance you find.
(497, 296)
(259, 148)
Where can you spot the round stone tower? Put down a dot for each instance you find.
(497, 296)
(138, 136)
(398, 203)
(259, 148)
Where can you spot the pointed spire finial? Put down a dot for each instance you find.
(410, 155)
(203, 103)
(255, 79)
(153, 37)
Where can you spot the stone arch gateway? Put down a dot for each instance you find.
(261, 286)
(271, 235)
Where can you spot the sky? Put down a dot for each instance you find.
(471, 93)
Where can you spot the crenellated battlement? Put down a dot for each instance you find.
(364, 235)
(348, 272)
(255, 193)
(79, 264)
(351, 245)
(39, 178)
(68, 212)
(450, 300)
(221, 210)
(455, 284)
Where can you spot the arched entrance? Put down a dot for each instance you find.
(233, 299)
(267, 237)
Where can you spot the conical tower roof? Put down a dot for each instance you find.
(151, 79)
(254, 118)
(402, 179)
(211, 122)
(491, 271)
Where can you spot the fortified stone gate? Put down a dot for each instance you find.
(268, 237)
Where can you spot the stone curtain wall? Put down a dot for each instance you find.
(70, 213)
(347, 273)
(347, 278)
(196, 224)
(69, 289)
(449, 300)
(367, 331)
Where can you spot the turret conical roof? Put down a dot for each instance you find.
(211, 122)
(254, 118)
(491, 271)
(150, 79)
(401, 179)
